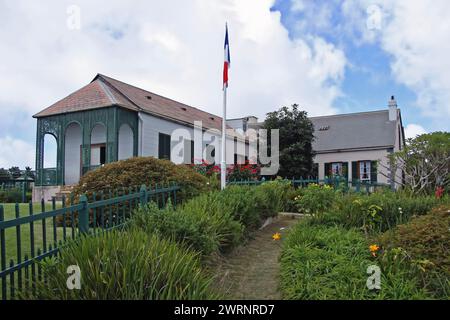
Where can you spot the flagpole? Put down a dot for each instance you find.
(223, 171)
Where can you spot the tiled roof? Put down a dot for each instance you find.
(353, 131)
(104, 91)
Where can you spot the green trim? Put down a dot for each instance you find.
(111, 117)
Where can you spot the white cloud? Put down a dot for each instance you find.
(16, 152)
(174, 48)
(412, 130)
(416, 36)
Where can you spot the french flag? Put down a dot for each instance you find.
(227, 62)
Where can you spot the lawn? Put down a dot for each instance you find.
(11, 233)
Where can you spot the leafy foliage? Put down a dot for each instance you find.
(320, 262)
(128, 265)
(425, 242)
(142, 170)
(215, 221)
(296, 137)
(315, 199)
(13, 196)
(425, 162)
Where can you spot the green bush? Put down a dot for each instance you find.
(271, 197)
(425, 243)
(128, 265)
(12, 196)
(376, 212)
(241, 202)
(139, 171)
(315, 199)
(197, 230)
(321, 262)
(215, 221)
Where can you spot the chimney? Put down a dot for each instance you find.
(392, 109)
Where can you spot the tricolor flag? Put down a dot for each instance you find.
(226, 63)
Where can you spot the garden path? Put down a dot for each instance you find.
(251, 271)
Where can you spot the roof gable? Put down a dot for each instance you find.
(92, 96)
(104, 92)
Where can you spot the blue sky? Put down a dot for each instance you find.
(334, 56)
(368, 81)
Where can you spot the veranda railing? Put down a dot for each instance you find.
(30, 238)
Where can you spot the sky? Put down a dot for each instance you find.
(327, 56)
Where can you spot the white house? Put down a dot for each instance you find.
(356, 145)
(109, 120)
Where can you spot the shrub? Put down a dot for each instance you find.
(142, 170)
(217, 220)
(11, 196)
(193, 230)
(124, 265)
(425, 243)
(247, 171)
(241, 202)
(203, 223)
(320, 262)
(316, 199)
(376, 212)
(271, 197)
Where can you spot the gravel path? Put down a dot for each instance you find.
(252, 271)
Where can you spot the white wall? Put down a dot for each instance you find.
(72, 156)
(98, 134)
(372, 155)
(125, 142)
(149, 136)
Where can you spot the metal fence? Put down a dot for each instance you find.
(30, 238)
(344, 184)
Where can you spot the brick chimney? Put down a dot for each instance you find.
(392, 109)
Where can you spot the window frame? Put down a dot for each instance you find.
(368, 167)
(164, 150)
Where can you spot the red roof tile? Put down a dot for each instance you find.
(104, 92)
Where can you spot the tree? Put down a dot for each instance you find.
(296, 137)
(29, 173)
(4, 175)
(15, 172)
(425, 163)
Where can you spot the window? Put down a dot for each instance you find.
(188, 151)
(364, 170)
(102, 154)
(336, 169)
(164, 146)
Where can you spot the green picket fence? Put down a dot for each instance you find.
(337, 182)
(30, 238)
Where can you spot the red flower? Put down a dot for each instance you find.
(439, 192)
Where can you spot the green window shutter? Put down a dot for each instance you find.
(355, 168)
(345, 170)
(328, 170)
(374, 171)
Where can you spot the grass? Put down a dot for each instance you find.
(11, 233)
(330, 262)
(125, 265)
